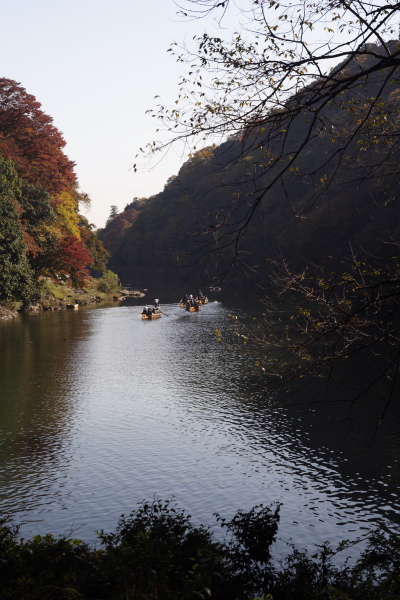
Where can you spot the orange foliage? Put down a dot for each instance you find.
(33, 143)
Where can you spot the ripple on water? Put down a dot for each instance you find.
(127, 409)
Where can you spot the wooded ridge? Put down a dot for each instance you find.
(42, 233)
(319, 210)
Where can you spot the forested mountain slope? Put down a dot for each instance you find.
(43, 235)
(198, 226)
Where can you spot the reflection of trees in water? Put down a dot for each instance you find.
(36, 407)
(366, 430)
(364, 459)
(361, 431)
(334, 444)
(363, 449)
(354, 430)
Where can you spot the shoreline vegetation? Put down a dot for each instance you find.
(61, 295)
(157, 553)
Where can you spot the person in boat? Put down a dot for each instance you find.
(145, 310)
(156, 303)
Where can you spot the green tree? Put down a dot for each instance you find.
(38, 221)
(108, 283)
(16, 278)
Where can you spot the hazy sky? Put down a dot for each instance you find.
(95, 66)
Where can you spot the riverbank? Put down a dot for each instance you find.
(7, 313)
(61, 296)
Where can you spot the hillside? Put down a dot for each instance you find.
(42, 232)
(332, 204)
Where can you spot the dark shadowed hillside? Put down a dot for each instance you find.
(339, 199)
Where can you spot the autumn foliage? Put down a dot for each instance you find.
(34, 144)
(59, 242)
(72, 259)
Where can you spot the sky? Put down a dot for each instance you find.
(95, 66)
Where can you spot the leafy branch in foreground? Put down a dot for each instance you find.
(307, 95)
(157, 552)
(330, 323)
(291, 73)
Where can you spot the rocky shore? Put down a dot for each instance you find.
(73, 299)
(7, 313)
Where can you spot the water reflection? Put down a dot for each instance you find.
(100, 410)
(37, 415)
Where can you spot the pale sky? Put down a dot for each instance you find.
(95, 67)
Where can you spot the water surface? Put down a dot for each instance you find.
(100, 410)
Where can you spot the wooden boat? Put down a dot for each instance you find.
(192, 308)
(152, 315)
(203, 300)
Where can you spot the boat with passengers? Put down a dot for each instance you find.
(192, 303)
(193, 307)
(152, 312)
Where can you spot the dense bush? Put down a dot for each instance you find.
(17, 281)
(108, 283)
(156, 553)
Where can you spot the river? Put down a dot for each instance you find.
(100, 410)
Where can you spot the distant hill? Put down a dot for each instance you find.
(173, 234)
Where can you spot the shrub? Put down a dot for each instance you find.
(156, 553)
(108, 283)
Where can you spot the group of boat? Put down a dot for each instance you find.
(193, 303)
(189, 302)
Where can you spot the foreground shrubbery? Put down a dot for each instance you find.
(158, 554)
